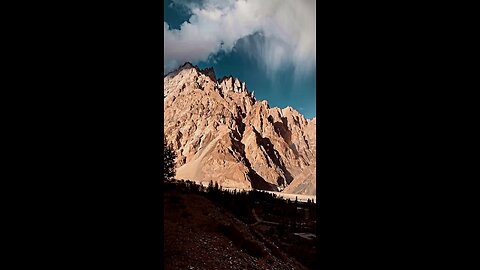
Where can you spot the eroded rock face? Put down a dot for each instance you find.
(220, 132)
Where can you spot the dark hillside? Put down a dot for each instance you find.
(200, 234)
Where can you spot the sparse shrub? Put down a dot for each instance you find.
(253, 248)
(231, 232)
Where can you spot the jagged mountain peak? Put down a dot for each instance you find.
(231, 84)
(188, 65)
(221, 133)
(210, 72)
(227, 83)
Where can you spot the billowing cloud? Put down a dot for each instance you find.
(283, 31)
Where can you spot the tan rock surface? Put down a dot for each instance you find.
(220, 132)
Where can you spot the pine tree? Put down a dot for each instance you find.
(168, 162)
(210, 187)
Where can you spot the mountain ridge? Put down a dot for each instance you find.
(222, 133)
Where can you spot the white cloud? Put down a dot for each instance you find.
(288, 29)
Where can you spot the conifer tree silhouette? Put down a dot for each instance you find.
(168, 162)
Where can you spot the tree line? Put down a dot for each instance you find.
(286, 212)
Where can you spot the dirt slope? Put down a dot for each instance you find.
(200, 235)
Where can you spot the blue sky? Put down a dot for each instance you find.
(260, 42)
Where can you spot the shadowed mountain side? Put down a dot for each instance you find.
(304, 183)
(257, 182)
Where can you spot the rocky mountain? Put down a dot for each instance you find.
(220, 132)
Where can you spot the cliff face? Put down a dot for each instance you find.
(222, 133)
